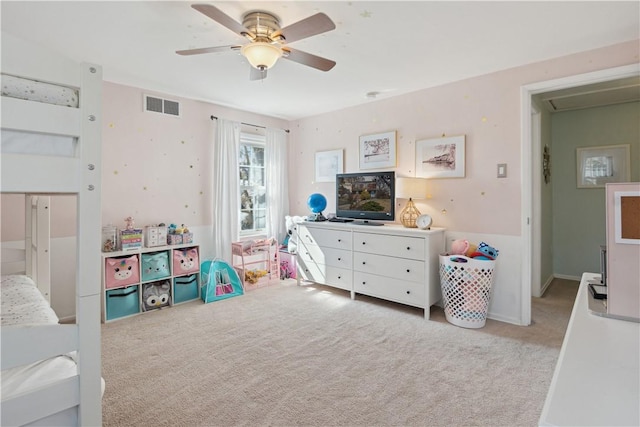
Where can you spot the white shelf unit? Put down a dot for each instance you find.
(390, 262)
(256, 256)
(126, 300)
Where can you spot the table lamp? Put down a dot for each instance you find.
(410, 188)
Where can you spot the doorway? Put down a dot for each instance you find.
(532, 165)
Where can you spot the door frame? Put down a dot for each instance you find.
(531, 164)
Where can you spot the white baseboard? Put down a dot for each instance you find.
(567, 277)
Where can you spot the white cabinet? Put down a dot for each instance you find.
(389, 262)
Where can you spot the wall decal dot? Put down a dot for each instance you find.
(484, 119)
(182, 142)
(115, 172)
(144, 188)
(201, 193)
(111, 125)
(186, 206)
(190, 166)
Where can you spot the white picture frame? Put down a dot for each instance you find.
(377, 151)
(597, 166)
(328, 164)
(441, 157)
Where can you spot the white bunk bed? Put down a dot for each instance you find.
(32, 167)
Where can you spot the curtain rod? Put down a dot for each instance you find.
(249, 124)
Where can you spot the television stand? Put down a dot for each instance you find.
(365, 222)
(393, 262)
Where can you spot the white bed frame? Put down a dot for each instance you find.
(79, 175)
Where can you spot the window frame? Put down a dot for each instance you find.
(255, 140)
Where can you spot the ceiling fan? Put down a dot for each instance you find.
(267, 41)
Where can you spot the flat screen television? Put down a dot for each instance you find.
(368, 196)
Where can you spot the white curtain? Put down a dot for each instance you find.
(276, 162)
(226, 188)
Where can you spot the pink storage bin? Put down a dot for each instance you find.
(122, 271)
(185, 261)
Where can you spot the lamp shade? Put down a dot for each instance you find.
(261, 55)
(411, 188)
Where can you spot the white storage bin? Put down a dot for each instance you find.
(466, 289)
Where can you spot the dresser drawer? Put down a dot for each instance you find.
(397, 268)
(327, 238)
(402, 291)
(326, 275)
(328, 256)
(397, 246)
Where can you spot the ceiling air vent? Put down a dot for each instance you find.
(159, 105)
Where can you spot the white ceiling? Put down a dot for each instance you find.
(389, 47)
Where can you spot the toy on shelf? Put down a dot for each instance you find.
(179, 235)
(129, 223)
(130, 237)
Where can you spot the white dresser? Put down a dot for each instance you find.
(389, 262)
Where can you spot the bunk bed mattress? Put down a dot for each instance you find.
(32, 90)
(19, 142)
(23, 304)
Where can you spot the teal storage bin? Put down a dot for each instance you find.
(185, 288)
(155, 266)
(122, 302)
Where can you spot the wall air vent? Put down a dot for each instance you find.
(159, 105)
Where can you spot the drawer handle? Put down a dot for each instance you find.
(339, 259)
(364, 243)
(339, 240)
(363, 263)
(364, 283)
(339, 277)
(408, 292)
(408, 248)
(408, 271)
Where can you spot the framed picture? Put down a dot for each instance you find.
(597, 166)
(440, 157)
(328, 164)
(378, 151)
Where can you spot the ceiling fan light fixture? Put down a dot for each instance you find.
(261, 55)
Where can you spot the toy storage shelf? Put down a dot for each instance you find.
(256, 262)
(122, 297)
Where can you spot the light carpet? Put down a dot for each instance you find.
(288, 355)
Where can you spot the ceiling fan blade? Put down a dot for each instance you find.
(304, 58)
(311, 26)
(201, 50)
(256, 74)
(220, 17)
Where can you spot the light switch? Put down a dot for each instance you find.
(502, 170)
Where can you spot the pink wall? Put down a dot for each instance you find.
(155, 167)
(486, 109)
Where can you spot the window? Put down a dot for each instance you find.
(253, 190)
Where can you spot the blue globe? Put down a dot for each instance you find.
(317, 202)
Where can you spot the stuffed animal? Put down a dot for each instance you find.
(459, 247)
(156, 295)
(155, 266)
(472, 248)
(485, 252)
(292, 227)
(129, 223)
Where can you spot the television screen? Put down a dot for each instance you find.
(366, 196)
